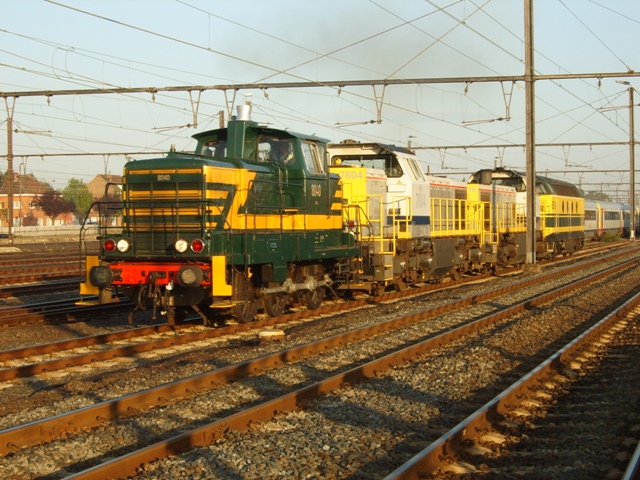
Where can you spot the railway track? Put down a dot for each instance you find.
(248, 407)
(40, 273)
(57, 311)
(34, 359)
(43, 264)
(58, 279)
(574, 402)
(39, 288)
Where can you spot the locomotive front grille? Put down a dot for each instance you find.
(162, 205)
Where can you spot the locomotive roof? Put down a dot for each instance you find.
(543, 184)
(382, 146)
(544, 177)
(261, 130)
(608, 205)
(395, 148)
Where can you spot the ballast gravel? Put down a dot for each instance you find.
(361, 431)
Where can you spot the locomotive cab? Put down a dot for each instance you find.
(400, 247)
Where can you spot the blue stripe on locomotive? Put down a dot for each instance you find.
(417, 220)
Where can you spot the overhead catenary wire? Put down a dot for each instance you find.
(111, 19)
(389, 102)
(178, 40)
(317, 55)
(596, 36)
(150, 32)
(57, 3)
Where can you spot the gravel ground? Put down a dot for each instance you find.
(365, 431)
(362, 431)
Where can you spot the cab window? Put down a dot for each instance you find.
(415, 169)
(215, 148)
(314, 157)
(388, 163)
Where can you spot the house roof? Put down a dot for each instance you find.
(30, 185)
(24, 184)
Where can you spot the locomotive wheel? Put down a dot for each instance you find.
(313, 299)
(378, 290)
(247, 307)
(142, 298)
(171, 316)
(245, 311)
(176, 314)
(274, 304)
(400, 285)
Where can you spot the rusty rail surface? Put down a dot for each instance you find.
(130, 350)
(448, 445)
(53, 312)
(48, 269)
(37, 432)
(52, 286)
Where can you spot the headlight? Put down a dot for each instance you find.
(181, 246)
(197, 246)
(124, 245)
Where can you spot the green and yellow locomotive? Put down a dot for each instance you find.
(251, 219)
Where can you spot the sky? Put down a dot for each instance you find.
(75, 45)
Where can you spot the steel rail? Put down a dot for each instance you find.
(13, 278)
(17, 311)
(36, 260)
(431, 458)
(130, 350)
(632, 471)
(57, 312)
(81, 342)
(51, 286)
(126, 465)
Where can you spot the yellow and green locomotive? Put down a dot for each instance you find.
(249, 220)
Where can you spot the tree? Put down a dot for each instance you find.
(598, 196)
(78, 193)
(52, 204)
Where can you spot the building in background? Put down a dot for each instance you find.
(98, 185)
(26, 188)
